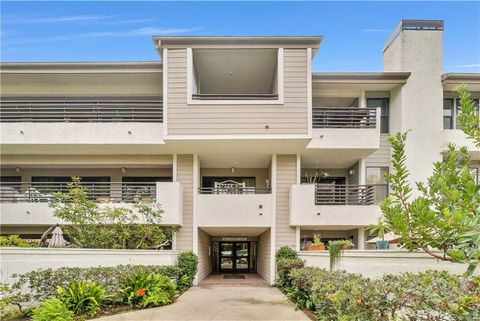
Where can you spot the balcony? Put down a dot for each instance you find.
(67, 121)
(338, 206)
(241, 206)
(27, 203)
(345, 128)
(458, 138)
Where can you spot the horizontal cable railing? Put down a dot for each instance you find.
(115, 192)
(234, 96)
(81, 110)
(328, 194)
(234, 190)
(344, 117)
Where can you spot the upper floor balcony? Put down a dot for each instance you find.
(345, 128)
(335, 205)
(53, 121)
(28, 203)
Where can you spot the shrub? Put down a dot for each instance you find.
(188, 265)
(285, 252)
(15, 241)
(52, 309)
(335, 249)
(300, 291)
(143, 290)
(284, 268)
(82, 297)
(43, 283)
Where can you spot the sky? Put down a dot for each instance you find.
(354, 32)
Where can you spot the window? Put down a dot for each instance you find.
(376, 176)
(383, 104)
(448, 113)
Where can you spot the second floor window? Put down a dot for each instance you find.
(451, 109)
(383, 104)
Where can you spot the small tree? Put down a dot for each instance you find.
(445, 217)
(93, 225)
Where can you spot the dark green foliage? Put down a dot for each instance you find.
(148, 289)
(188, 265)
(15, 241)
(284, 268)
(83, 298)
(52, 309)
(285, 252)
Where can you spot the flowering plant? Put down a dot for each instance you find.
(140, 292)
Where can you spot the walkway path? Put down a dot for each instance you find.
(221, 302)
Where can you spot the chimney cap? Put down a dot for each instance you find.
(411, 24)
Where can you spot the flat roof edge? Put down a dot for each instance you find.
(401, 77)
(307, 41)
(79, 66)
(461, 77)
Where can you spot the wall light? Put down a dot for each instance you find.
(124, 170)
(17, 169)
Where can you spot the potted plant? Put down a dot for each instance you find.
(335, 249)
(317, 244)
(380, 228)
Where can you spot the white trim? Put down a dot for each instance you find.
(297, 238)
(174, 167)
(362, 171)
(362, 100)
(236, 136)
(273, 229)
(299, 169)
(280, 86)
(165, 91)
(196, 173)
(309, 92)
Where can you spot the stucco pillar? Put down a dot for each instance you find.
(361, 238)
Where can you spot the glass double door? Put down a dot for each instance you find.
(234, 257)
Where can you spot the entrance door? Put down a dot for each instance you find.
(234, 257)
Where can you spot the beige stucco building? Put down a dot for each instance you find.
(243, 146)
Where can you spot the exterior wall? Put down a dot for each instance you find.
(219, 210)
(184, 237)
(98, 160)
(375, 263)
(290, 118)
(304, 212)
(260, 174)
(458, 138)
(23, 260)
(78, 85)
(286, 177)
(82, 133)
(380, 157)
(263, 255)
(352, 179)
(204, 259)
(419, 52)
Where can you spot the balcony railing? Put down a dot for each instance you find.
(343, 117)
(234, 190)
(102, 192)
(328, 194)
(81, 110)
(234, 96)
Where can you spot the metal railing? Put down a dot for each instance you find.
(115, 192)
(344, 117)
(234, 190)
(81, 110)
(328, 194)
(234, 96)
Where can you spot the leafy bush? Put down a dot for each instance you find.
(143, 290)
(15, 241)
(43, 283)
(335, 249)
(52, 309)
(188, 265)
(94, 225)
(285, 252)
(82, 297)
(284, 268)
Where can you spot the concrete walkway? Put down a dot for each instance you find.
(221, 302)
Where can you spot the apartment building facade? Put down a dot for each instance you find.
(245, 148)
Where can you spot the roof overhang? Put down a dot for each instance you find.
(313, 42)
(80, 67)
(451, 81)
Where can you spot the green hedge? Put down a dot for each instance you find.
(284, 267)
(342, 296)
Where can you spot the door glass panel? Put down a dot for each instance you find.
(241, 249)
(226, 263)
(226, 249)
(242, 263)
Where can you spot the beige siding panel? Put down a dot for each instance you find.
(289, 118)
(263, 255)
(185, 178)
(204, 261)
(380, 157)
(286, 177)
